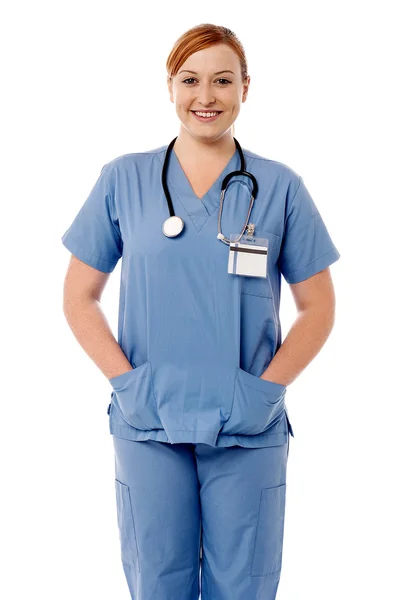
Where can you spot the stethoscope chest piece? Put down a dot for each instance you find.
(173, 226)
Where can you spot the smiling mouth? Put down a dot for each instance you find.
(214, 114)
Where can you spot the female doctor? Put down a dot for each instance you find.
(199, 372)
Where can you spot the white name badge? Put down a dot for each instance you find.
(248, 256)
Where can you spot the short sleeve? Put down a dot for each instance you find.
(94, 235)
(307, 247)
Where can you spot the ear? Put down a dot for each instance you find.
(245, 90)
(169, 83)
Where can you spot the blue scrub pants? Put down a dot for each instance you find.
(171, 498)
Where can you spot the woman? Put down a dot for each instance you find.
(199, 372)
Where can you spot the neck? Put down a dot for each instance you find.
(202, 149)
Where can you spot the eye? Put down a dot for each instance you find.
(220, 79)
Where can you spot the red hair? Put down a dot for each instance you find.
(200, 37)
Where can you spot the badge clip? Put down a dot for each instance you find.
(250, 229)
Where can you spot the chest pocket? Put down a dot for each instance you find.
(260, 286)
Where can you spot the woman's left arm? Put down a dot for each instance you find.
(315, 303)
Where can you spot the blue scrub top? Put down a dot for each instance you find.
(198, 336)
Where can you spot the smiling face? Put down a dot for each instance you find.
(209, 80)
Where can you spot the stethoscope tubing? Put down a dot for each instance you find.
(225, 182)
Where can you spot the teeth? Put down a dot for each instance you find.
(201, 114)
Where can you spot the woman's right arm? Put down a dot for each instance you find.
(83, 287)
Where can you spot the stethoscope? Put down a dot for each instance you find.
(174, 225)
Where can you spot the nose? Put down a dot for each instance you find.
(206, 95)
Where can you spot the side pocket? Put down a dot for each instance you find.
(127, 533)
(135, 399)
(257, 405)
(268, 545)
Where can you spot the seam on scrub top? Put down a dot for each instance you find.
(233, 435)
(225, 434)
(181, 203)
(138, 379)
(264, 392)
(259, 295)
(234, 395)
(127, 426)
(313, 261)
(299, 185)
(275, 319)
(91, 253)
(263, 158)
(152, 389)
(113, 204)
(189, 213)
(276, 162)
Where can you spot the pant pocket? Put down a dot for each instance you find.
(127, 533)
(268, 546)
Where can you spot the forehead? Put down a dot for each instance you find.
(212, 59)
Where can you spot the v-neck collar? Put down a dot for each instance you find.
(198, 209)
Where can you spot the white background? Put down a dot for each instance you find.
(85, 82)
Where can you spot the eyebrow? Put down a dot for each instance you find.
(217, 72)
